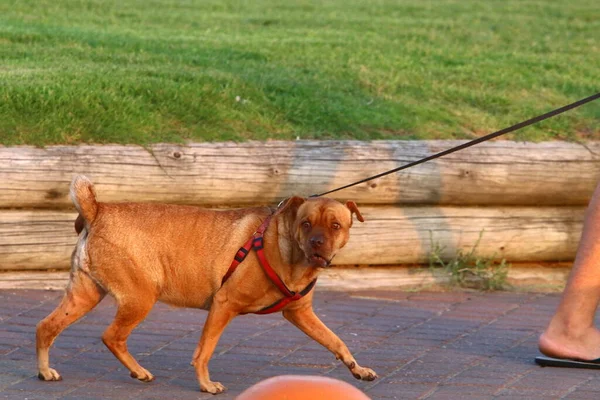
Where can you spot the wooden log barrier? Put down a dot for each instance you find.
(225, 174)
(391, 235)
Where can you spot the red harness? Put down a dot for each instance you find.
(256, 242)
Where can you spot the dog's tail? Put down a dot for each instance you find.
(83, 196)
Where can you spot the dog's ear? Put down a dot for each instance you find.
(354, 210)
(291, 205)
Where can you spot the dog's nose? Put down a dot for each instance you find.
(316, 241)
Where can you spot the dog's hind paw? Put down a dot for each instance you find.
(49, 375)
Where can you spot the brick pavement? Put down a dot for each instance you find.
(423, 345)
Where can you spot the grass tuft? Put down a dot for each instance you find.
(469, 270)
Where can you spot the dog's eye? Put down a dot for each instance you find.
(336, 226)
(306, 225)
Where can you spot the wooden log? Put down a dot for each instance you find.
(39, 280)
(533, 277)
(404, 235)
(386, 279)
(36, 239)
(390, 235)
(491, 173)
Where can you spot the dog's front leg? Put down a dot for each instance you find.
(218, 318)
(306, 320)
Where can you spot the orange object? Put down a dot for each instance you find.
(302, 387)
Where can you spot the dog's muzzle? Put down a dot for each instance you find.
(318, 260)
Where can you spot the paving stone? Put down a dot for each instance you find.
(452, 345)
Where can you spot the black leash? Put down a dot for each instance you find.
(473, 142)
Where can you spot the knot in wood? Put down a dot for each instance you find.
(54, 194)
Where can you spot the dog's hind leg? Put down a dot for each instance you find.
(81, 296)
(130, 312)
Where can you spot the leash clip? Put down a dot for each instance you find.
(281, 202)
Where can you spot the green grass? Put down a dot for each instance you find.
(467, 269)
(144, 71)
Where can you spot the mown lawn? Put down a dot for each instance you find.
(143, 71)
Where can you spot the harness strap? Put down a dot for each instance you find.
(237, 260)
(245, 249)
(258, 245)
(279, 304)
(256, 242)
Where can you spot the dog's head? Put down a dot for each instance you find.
(320, 226)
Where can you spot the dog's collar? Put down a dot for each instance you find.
(256, 242)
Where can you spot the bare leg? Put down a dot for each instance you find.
(218, 318)
(81, 296)
(306, 320)
(571, 332)
(130, 313)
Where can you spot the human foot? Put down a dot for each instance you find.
(560, 342)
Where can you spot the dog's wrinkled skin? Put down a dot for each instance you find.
(143, 253)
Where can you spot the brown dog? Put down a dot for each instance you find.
(141, 253)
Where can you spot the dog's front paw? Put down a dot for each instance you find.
(363, 373)
(143, 375)
(49, 375)
(212, 387)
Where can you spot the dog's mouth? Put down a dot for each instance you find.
(318, 260)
